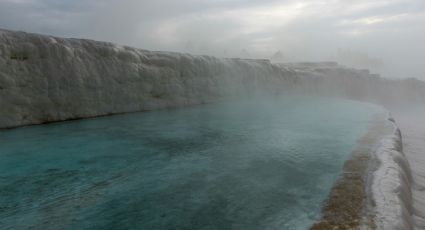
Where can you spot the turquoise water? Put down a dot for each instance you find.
(264, 164)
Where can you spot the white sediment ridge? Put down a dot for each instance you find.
(412, 123)
(391, 183)
(47, 79)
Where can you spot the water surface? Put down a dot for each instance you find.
(263, 164)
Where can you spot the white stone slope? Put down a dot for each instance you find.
(391, 183)
(45, 79)
(412, 123)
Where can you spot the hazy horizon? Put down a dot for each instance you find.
(384, 35)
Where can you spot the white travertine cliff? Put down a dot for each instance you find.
(45, 79)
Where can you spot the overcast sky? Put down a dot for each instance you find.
(386, 35)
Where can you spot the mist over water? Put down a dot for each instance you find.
(260, 164)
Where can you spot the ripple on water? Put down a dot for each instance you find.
(262, 164)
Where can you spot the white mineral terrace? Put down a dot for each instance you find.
(412, 125)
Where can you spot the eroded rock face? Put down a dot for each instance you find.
(44, 79)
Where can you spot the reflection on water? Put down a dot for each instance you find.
(264, 164)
